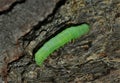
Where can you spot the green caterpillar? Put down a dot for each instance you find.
(59, 40)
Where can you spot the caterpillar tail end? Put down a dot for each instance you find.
(39, 61)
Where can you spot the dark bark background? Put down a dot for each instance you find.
(25, 25)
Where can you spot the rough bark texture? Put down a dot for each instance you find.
(27, 25)
(5, 4)
(17, 22)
